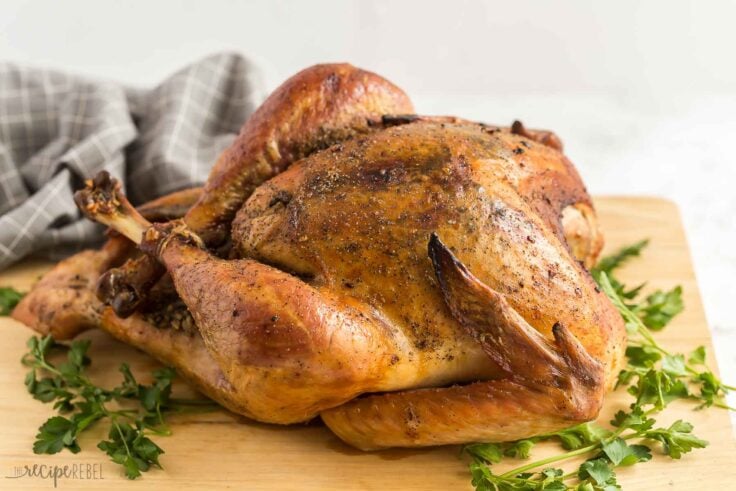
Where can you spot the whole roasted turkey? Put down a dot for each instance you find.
(411, 280)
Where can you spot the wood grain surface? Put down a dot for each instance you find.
(222, 451)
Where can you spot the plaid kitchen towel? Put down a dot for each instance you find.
(57, 130)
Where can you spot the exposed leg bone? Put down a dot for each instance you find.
(102, 201)
(63, 302)
(125, 287)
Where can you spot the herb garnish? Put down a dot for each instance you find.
(135, 411)
(9, 298)
(654, 377)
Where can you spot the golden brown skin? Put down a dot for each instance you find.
(314, 109)
(317, 107)
(355, 221)
(185, 350)
(63, 302)
(336, 296)
(547, 385)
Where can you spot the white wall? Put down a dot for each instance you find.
(455, 46)
(642, 92)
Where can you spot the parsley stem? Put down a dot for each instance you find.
(126, 413)
(122, 437)
(723, 405)
(564, 456)
(42, 363)
(549, 460)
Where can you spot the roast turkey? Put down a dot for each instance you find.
(411, 280)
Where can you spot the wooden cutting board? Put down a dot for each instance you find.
(223, 451)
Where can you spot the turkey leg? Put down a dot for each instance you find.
(63, 302)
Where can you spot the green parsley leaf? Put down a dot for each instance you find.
(674, 365)
(129, 387)
(66, 386)
(712, 390)
(658, 388)
(635, 420)
(9, 298)
(598, 470)
(129, 447)
(581, 435)
(551, 480)
(697, 357)
(609, 263)
(485, 452)
(660, 307)
(642, 356)
(520, 449)
(55, 434)
(677, 439)
(622, 454)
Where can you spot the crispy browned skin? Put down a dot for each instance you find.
(317, 107)
(173, 205)
(547, 384)
(335, 295)
(172, 347)
(63, 302)
(314, 109)
(355, 221)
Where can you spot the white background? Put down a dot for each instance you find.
(642, 92)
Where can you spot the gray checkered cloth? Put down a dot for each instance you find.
(57, 130)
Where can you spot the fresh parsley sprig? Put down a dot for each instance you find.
(648, 359)
(610, 263)
(606, 450)
(135, 411)
(653, 376)
(9, 298)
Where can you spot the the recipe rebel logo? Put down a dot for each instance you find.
(56, 473)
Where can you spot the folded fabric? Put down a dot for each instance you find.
(57, 130)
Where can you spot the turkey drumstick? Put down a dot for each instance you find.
(63, 302)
